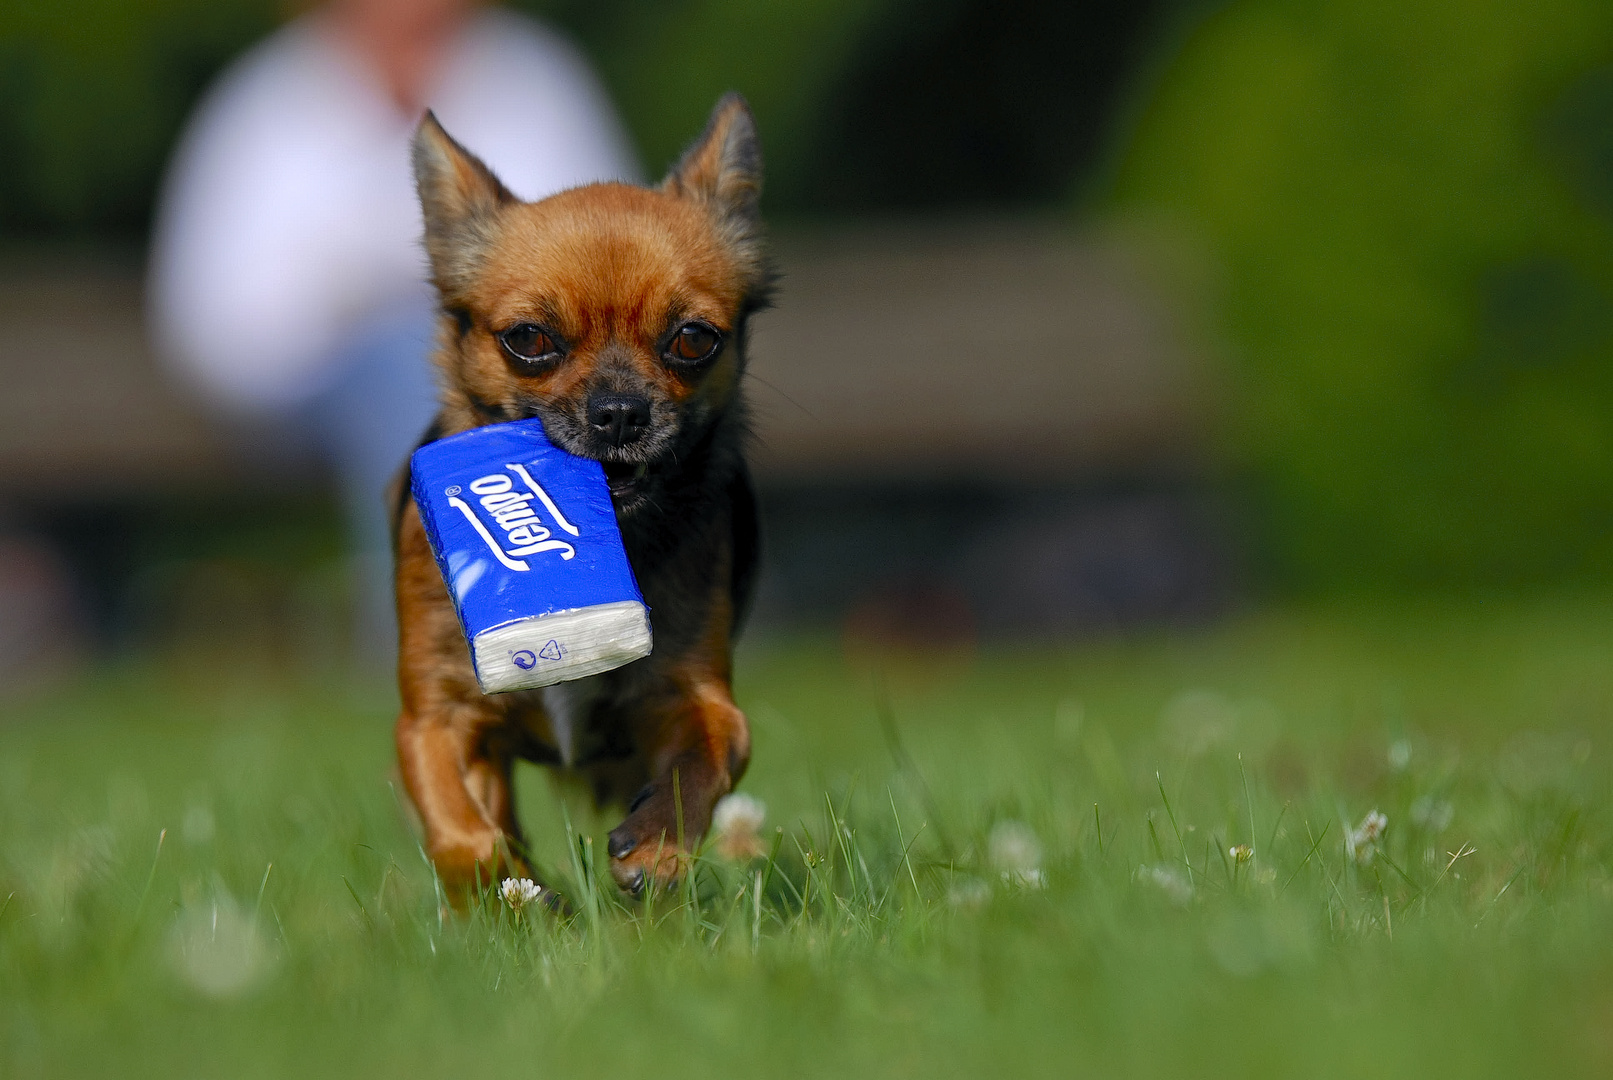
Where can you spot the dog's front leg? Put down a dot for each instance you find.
(453, 741)
(698, 744)
(460, 784)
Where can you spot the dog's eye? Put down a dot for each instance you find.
(529, 343)
(693, 343)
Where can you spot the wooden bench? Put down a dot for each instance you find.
(1003, 353)
(1002, 415)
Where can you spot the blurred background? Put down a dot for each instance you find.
(1189, 304)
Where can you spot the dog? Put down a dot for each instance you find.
(617, 315)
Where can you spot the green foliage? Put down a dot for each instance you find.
(666, 64)
(862, 103)
(1411, 203)
(92, 93)
(285, 923)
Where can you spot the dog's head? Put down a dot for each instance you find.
(614, 313)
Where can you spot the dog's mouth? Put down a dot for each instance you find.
(624, 477)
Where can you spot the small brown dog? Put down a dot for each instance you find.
(617, 315)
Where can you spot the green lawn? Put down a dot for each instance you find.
(288, 926)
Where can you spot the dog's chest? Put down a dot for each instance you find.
(569, 706)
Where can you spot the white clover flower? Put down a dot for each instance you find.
(1432, 814)
(1362, 841)
(1371, 827)
(968, 892)
(519, 892)
(217, 948)
(736, 827)
(1241, 853)
(1014, 852)
(197, 826)
(1168, 880)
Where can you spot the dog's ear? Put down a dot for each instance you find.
(723, 169)
(723, 172)
(460, 198)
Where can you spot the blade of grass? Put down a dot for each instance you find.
(1307, 857)
(151, 875)
(436, 889)
(686, 868)
(380, 890)
(1494, 901)
(1249, 803)
(756, 915)
(1221, 850)
(896, 880)
(1462, 851)
(362, 910)
(1344, 906)
(906, 847)
(772, 863)
(1390, 863)
(815, 865)
(1159, 851)
(581, 874)
(906, 766)
(843, 840)
(772, 855)
(262, 885)
(1172, 816)
(1272, 841)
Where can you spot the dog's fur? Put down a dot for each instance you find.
(612, 273)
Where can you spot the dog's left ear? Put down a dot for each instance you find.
(723, 169)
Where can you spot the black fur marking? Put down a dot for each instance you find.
(493, 414)
(747, 532)
(400, 491)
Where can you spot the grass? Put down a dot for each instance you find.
(217, 881)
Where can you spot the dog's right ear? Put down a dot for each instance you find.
(722, 171)
(723, 168)
(460, 198)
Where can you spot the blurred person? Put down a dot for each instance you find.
(287, 280)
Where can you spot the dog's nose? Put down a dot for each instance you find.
(620, 418)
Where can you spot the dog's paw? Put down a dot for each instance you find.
(644, 855)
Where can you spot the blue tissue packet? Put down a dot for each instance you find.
(525, 535)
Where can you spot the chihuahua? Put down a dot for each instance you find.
(617, 316)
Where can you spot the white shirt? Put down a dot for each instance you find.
(289, 209)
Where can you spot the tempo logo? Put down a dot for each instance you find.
(512, 512)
